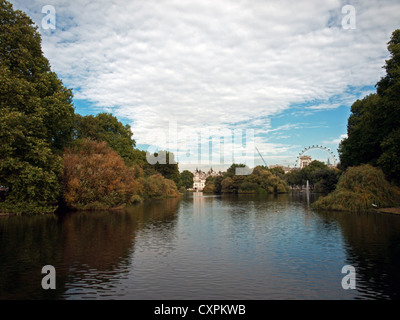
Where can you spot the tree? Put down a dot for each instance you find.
(218, 184)
(389, 89)
(293, 178)
(96, 177)
(213, 184)
(36, 118)
(278, 171)
(316, 173)
(389, 160)
(170, 169)
(267, 181)
(231, 171)
(307, 173)
(365, 133)
(157, 187)
(248, 187)
(372, 127)
(227, 185)
(187, 179)
(106, 127)
(325, 179)
(261, 180)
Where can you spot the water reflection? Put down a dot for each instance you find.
(372, 244)
(88, 249)
(203, 247)
(27, 244)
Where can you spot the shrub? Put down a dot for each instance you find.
(358, 188)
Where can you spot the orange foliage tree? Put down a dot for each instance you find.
(96, 177)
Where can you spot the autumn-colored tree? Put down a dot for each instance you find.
(106, 127)
(95, 176)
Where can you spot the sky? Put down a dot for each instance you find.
(277, 76)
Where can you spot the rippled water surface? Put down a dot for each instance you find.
(203, 247)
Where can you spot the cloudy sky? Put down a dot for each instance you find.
(176, 70)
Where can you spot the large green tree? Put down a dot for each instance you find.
(106, 127)
(373, 127)
(36, 118)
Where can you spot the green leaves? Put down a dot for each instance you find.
(261, 180)
(358, 188)
(38, 122)
(372, 127)
(187, 179)
(106, 127)
(36, 118)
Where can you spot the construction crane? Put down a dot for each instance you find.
(261, 157)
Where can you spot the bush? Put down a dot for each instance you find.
(358, 188)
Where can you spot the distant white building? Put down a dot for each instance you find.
(304, 161)
(199, 178)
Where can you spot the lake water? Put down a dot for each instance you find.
(203, 247)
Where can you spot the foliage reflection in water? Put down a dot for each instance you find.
(203, 247)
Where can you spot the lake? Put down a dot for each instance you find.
(203, 247)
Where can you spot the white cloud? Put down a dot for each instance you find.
(214, 64)
(335, 141)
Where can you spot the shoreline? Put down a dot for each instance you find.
(395, 211)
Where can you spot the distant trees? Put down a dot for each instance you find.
(187, 179)
(321, 178)
(213, 184)
(265, 180)
(325, 179)
(158, 187)
(261, 180)
(373, 127)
